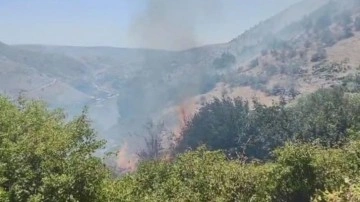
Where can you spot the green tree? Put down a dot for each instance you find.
(43, 157)
(324, 116)
(219, 124)
(230, 125)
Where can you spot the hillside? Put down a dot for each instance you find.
(283, 55)
(320, 54)
(318, 50)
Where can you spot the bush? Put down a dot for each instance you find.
(294, 177)
(347, 33)
(255, 82)
(45, 158)
(225, 61)
(277, 90)
(291, 69)
(319, 56)
(193, 176)
(299, 172)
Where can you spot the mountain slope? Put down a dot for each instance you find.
(282, 55)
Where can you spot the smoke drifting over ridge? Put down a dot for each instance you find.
(171, 24)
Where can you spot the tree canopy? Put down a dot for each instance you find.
(324, 117)
(43, 157)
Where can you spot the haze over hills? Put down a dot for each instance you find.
(126, 87)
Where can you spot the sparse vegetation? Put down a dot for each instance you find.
(332, 67)
(225, 61)
(319, 55)
(291, 69)
(289, 93)
(256, 82)
(347, 33)
(154, 146)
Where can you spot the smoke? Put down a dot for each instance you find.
(169, 25)
(172, 24)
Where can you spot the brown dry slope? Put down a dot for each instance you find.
(348, 48)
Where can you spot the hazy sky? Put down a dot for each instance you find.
(112, 22)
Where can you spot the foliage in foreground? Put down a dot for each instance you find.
(43, 157)
(300, 172)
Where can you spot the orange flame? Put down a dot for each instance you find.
(185, 112)
(126, 162)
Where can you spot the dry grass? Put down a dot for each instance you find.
(348, 48)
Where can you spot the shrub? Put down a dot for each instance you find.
(43, 157)
(225, 61)
(319, 55)
(347, 33)
(290, 69)
(200, 175)
(299, 172)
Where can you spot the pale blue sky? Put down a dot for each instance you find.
(107, 22)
